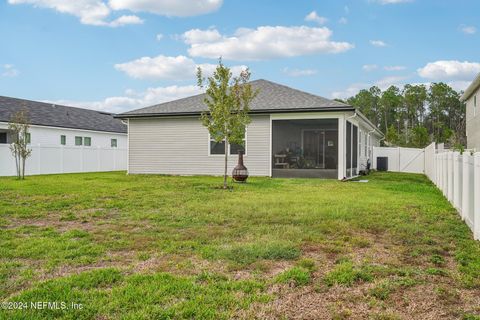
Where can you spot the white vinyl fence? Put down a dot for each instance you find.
(409, 160)
(458, 177)
(65, 159)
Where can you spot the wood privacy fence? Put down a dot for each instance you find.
(458, 177)
(48, 159)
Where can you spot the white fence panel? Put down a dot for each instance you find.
(409, 160)
(458, 177)
(457, 180)
(48, 159)
(476, 196)
(429, 165)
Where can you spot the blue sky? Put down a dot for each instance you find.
(118, 55)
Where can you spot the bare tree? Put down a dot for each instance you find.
(19, 125)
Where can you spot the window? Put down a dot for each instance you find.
(78, 141)
(113, 143)
(87, 141)
(3, 137)
(28, 137)
(218, 148)
(63, 140)
(235, 148)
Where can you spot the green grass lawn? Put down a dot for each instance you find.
(162, 247)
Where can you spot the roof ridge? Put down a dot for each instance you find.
(51, 104)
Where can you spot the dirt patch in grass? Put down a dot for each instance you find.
(80, 220)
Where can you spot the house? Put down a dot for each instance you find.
(292, 134)
(64, 139)
(470, 97)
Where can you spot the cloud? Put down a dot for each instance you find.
(170, 8)
(124, 20)
(133, 100)
(164, 67)
(98, 12)
(378, 43)
(201, 36)
(91, 12)
(9, 70)
(468, 29)
(159, 36)
(343, 20)
(264, 42)
(453, 70)
(314, 17)
(299, 72)
(369, 67)
(383, 2)
(394, 68)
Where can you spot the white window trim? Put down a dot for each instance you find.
(223, 155)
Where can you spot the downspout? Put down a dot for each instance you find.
(351, 136)
(370, 140)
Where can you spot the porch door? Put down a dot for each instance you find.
(314, 148)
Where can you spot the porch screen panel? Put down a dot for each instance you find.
(305, 148)
(349, 149)
(354, 150)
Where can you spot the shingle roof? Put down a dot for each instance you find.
(53, 115)
(272, 97)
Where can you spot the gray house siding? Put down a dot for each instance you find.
(473, 121)
(180, 146)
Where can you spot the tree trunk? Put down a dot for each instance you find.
(226, 164)
(17, 164)
(23, 168)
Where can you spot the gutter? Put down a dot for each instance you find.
(263, 111)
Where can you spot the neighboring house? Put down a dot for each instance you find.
(471, 97)
(292, 134)
(64, 139)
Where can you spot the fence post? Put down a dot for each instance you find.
(450, 176)
(465, 187)
(445, 174)
(476, 197)
(456, 187)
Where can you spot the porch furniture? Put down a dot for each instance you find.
(281, 161)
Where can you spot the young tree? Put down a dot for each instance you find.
(19, 125)
(228, 100)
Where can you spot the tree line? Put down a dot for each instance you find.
(415, 115)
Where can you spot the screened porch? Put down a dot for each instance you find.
(305, 148)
